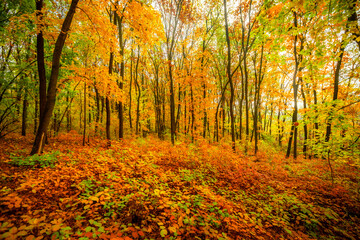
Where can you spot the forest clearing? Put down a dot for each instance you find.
(179, 119)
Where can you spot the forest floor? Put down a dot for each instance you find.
(149, 189)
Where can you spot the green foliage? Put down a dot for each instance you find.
(62, 234)
(13, 8)
(45, 160)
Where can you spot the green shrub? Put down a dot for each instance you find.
(45, 160)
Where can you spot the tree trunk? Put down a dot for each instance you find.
(228, 70)
(40, 56)
(305, 125)
(51, 93)
(122, 73)
(36, 114)
(130, 86)
(24, 115)
(294, 128)
(108, 110)
(138, 93)
(84, 132)
(336, 89)
(97, 116)
(108, 136)
(172, 103)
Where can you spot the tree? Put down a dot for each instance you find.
(51, 92)
(229, 74)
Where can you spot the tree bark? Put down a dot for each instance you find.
(24, 115)
(84, 132)
(122, 74)
(108, 110)
(51, 92)
(228, 70)
(294, 128)
(40, 56)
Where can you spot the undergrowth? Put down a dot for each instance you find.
(149, 189)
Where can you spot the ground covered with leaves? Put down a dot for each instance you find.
(149, 189)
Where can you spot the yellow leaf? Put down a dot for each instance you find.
(172, 229)
(93, 198)
(56, 227)
(180, 221)
(22, 233)
(163, 232)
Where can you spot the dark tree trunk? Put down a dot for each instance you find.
(97, 116)
(258, 79)
(51, 92)
(130, 86)
(336, 89)
(108, 136)
(294, 128)
(177, 121)
(192, 112)
(108, 110)
(228, 70)
(68, 115)
(279, 127)
(36, 114)
(172, 103)
(138, 107)
(305, 125)
(271, 118)
(40, 56)
(136, 81)
(122, 74)
(24, 115)
(84, 132)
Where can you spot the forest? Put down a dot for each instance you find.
(179, 119)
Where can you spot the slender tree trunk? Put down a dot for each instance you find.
(258, 79)
(241, 104)
(108, 136)
(40, 55)
(68, 115)
(51, 92)
(192, 112)
(228, 70)
(36, 114)
(205, 113)
(279, 127)
(177, 121)
(122, 73)
(102, 109)
(271, 118)
(84, 132)
(97, 116)
(336, 89)
(246, 90)
(138, 107)
(138, 93)
(172, 103)
(170, 51)
(305, 125)
(130, 86)
(163, 116)
(294, 128)
(24, 115)
(223, 120)
(108, 111)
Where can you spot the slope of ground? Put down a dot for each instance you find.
(149, 189)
